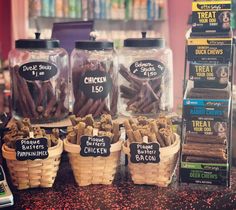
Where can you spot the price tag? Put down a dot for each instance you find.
(94, 146)
(144, 153)
(31, 149)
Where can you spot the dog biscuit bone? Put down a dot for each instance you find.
(55, 132)
(145, 139)
(130, 136)
(80, 131)
(72, 137)
(97, 125)
(73, 120)
(152, 137)
(127, 125)
(137, 136)
(88, 131)
(88, 119)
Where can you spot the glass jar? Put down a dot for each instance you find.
(145, 77)
(94, 78)
(39, 71)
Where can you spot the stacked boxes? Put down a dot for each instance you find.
(205, 156)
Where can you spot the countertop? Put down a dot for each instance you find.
(123, 194)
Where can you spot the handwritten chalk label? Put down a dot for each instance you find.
(95, 84)
(94, 146)
(144, 153)
(41, 71)
(147, 69)
(31, 149)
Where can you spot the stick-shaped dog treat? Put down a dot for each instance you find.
(130, 135)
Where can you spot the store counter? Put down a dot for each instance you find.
(65, 194)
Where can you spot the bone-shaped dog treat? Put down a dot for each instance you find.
(24, 130)
(87, 125)
(151, 129)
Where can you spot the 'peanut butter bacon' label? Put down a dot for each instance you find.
(144, 153)
(94, 146)
(147, 69)
(95, 84)
(31, 149)
(41, 71)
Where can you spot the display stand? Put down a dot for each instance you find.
(207, 102)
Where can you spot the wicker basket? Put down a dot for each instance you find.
(33, 173)
(155, 173)
(93, 170)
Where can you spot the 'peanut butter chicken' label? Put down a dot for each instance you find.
(94, 146)
(207, 126)
(209, 73)
(95, 84)
(217, 109)
(147, 69)
(31, 149)
(211, 16)
(41, 71)
(144, 153)
(214, 50)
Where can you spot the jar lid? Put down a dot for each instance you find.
(37, 43)
(144, 42)
(93, 45)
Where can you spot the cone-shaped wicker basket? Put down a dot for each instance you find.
(33, 173)
(159, 174)
(93, 170)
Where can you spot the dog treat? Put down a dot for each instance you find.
(39, 100)
(97, 91)
(203, 93)
(88, 126)
(24, 130)
(143, 96)
(195, 159)
(204, 139)
(150, 129)
(216, 153)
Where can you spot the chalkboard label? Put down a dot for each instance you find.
(144, 153)
(147, 69)
(41, 71)
(31, 149)
(95, 84)
(94, 146)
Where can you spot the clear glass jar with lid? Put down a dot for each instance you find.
(145, 77)
(94, 78)
(40, 73)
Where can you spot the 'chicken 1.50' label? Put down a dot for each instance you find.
(95, 84)
(147, 69)
(41, 71)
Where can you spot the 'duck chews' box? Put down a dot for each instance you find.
(211, 16)
(209, 61)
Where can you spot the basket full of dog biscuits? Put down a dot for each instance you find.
(94, 149)
(32, 156)
(152, 150)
